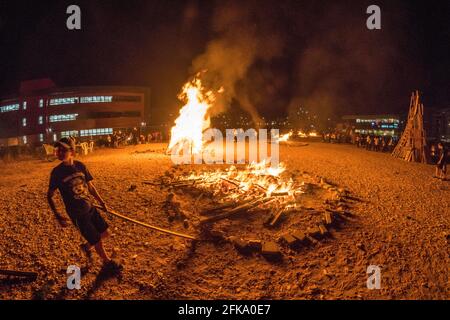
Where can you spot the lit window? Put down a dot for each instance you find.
(73, 133)
(24, 138)
(11, 107)
(41, 137)
(24, 122)
(24, 105)
(96, 132)
(41, 103)
(96, 99)
(55, 137)
(41, 120)
(63, 117)
(73, 100)
(61, 101)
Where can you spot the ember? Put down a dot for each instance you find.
(256, 185)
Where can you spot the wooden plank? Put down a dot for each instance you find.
(16, 273)
(235, 211)
(276, 218)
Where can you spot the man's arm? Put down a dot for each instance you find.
(62, 220)
(96, 195)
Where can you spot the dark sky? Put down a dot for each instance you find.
(313, 53)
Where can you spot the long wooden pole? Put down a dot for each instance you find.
(177, 234)
(18, 273)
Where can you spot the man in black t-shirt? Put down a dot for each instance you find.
(74, 182)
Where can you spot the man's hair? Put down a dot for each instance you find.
(66, 143)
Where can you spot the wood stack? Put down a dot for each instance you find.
(412, 144)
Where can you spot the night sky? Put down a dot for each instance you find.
(271, 56)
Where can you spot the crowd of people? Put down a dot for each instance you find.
(369, 142)
(375, 143)
(438, 151)
(119, 138)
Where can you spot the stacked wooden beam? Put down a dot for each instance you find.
(412, 144)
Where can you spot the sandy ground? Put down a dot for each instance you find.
(401, 225)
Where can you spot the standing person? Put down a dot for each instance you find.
(357, 138)
(441, 165)
(383, 144)
(433, 153)
(368, 142)
(376, 142)
(74, 182)
(390, 145)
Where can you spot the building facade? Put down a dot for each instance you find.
(380, 125)
(440, 125)
(43, 113)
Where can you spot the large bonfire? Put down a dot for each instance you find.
(186, 136)
(233, 191)
(193, 118)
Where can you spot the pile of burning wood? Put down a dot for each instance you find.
(236, 191)
(243, 191)
(251, 192)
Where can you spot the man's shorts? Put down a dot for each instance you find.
(92, 226)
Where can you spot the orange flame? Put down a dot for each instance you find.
(193, 118)
(285, 137)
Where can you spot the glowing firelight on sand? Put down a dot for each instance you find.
(193, 118)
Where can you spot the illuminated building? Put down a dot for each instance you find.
(440, 125)
(43, 113)
(380, 125)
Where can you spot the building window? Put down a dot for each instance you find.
(24, 138)
(41, 103)
(10, 107)
(63, 117)
(41, 137)
(96, 99)
(73, 100)
(41, 120)
(66, 134)
(24, 122)
(95, 132)
(61, 101)
(24, 105)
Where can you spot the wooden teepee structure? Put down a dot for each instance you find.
(412, 144)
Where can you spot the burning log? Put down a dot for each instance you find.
(327, 218)
(235, 183)
(227, 205)
(176, 183)
(239, 209)
(279, 194)
(276, 217)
